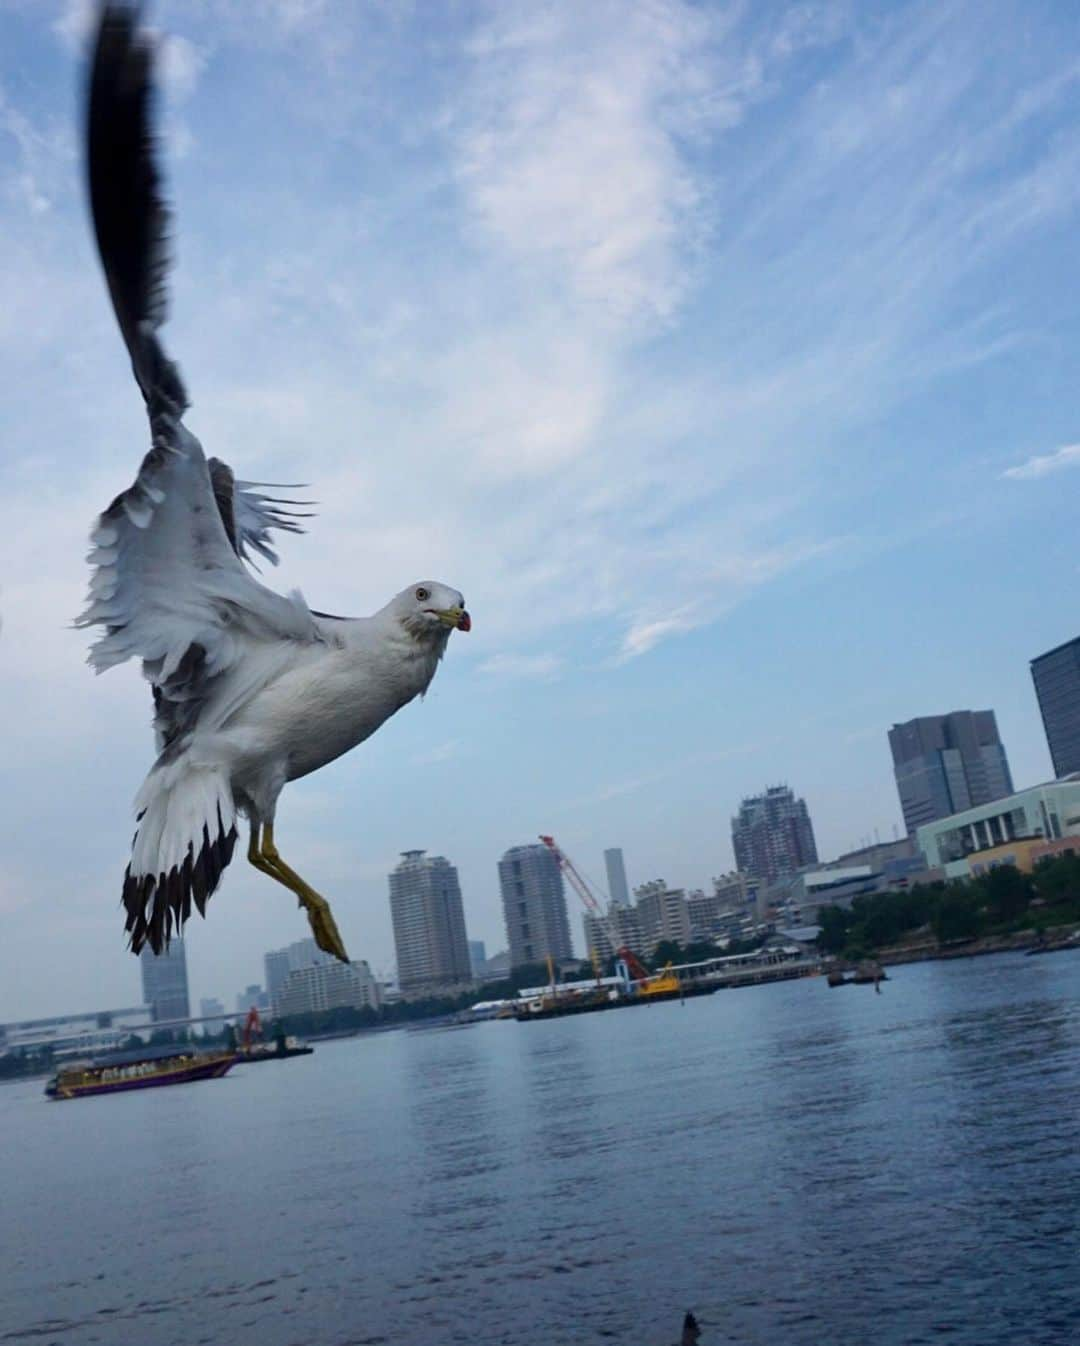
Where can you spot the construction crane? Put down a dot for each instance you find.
(628, 966)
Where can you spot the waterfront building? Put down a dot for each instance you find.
(618, 889)
(211, 1008)
(772, 834)
(1044, 812)
(429, 924)
(945, 764)
(1056, 675)
(663, 914)
(165, 981)
(278, 963)
(477, 958)
(317, 987)
(77, 1034)
(534, 906)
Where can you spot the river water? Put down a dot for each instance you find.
(795, 1164)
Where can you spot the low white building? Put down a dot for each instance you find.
(1050, 811)
(327, 986)
(77, 1034)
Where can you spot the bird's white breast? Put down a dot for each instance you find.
(326, 704)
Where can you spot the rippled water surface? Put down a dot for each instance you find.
(797, 1164)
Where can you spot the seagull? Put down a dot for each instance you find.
(252, 689)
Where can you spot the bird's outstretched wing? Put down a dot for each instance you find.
(168, 584)
(131, 219)
(249, 515)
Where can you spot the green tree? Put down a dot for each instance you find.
(956, 916)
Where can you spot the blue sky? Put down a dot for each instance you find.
(725, 356)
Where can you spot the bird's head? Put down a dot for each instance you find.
(429, 609)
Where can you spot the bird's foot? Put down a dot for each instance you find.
(323, 925)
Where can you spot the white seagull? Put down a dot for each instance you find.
(251, 689)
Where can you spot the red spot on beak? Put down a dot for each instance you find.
(464, 622)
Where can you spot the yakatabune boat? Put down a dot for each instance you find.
(82, 1079)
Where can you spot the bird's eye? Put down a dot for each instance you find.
(422, 595)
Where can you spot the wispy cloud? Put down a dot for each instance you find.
(522, 665)
(441, 752)
(1042, 464)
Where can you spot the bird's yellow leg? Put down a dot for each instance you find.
(320, 917)
(255, 858)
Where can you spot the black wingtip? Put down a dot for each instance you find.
(130, 216)
(158, 906)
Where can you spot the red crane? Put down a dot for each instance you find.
(634, 969)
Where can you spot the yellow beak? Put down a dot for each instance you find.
(456, 618)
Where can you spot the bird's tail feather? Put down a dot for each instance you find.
(185, 837)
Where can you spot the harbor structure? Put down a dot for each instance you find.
(614, 865)
(1056, 675)
(318, 987)
(945, 764)
(429, 924)
(165, 981)
(534, 906)
(772, 834)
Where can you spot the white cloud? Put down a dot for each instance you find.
(1042, 464)
(568, 148)
(522, 665)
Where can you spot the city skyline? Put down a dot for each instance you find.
(724, 505)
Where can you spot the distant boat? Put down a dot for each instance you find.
(82, 1079)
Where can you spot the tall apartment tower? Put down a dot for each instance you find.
(1057, 685)
(429, 923)
(165, 983)
(618, 888)
(772, 835)
(534, 906)
(947, 763)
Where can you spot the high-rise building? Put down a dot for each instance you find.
(477, 957)
(618, 889)
(663, 914)
(772, 834)
(316, 987)
(429, 923)
(1057, 685)
(280, 962)
(945, 764)
(210, 1008)
(164, 981)
(534, 905)
(622, 923)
